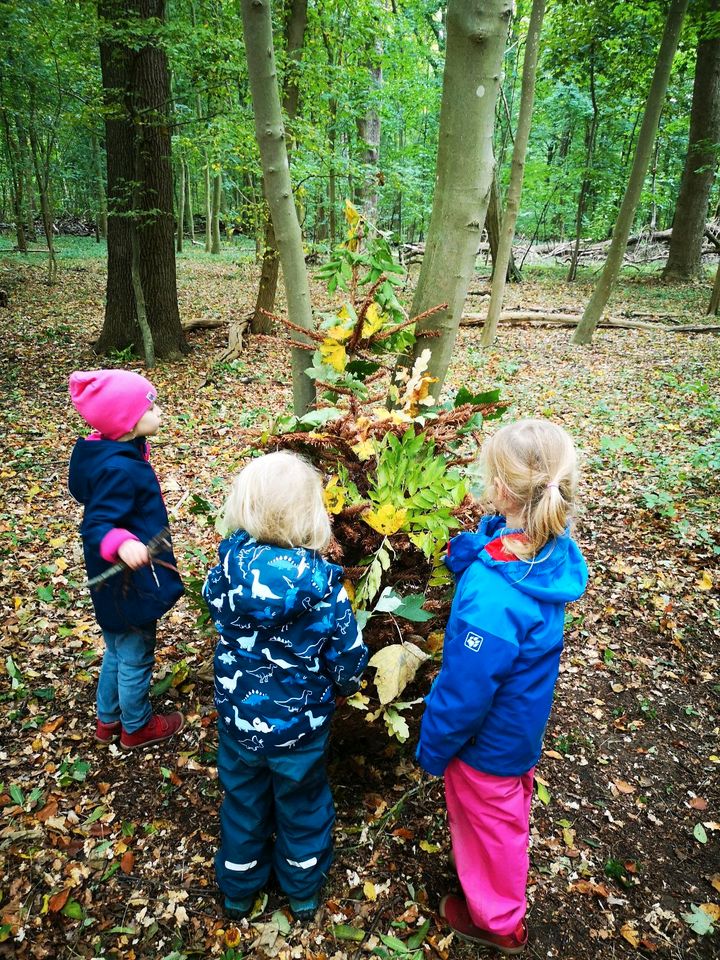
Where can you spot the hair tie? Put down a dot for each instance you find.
(550, 486)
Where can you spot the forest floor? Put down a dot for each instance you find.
(107, 854)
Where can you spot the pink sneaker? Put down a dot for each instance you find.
(107, 732)
(161, 726)
(455, 911)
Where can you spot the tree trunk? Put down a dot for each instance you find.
(16, 183)
(102, 213)
(714, 304)
(643, 151)
(586, 184)
(208, 207)
(215, 213)
(136, 88)
(685, 255)
(181, 209)
(189, 215)
(476, 34)
(368, 128)
(512, 206)
(294, 38)
(270, 133)
(41, 163)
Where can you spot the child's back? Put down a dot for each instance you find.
(289, 643)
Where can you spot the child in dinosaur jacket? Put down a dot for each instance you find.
(289, 646)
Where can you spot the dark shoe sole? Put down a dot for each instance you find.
(106, 743)
(150, 743)
(480, 941)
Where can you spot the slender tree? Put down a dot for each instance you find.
(643, 151)
(512, 206)
(294, 39)
(476, 35)
(685, 254)
(270, 134)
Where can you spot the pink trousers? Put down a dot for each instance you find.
(490, 825)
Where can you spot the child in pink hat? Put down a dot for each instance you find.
(110, 474)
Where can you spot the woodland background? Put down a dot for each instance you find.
(144, 222)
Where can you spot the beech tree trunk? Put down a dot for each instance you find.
(189, 215)
(136, 89)
(41, 165)
(102, 213)
(643, 151)
(517, 171)
(270, 133)
(685, 255)
(714, 305)
(181, 209)
(215, 213)
(294, 39)
(476, 34)
(16, 182)
(368, 128)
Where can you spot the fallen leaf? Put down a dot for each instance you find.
(127, 862)
(630, 934)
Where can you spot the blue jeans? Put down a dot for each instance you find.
(286, 795)
(123, 691)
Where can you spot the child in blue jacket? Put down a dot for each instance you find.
(110, 474)
(289, 647)
(486, 713)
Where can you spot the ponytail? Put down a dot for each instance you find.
(537, 464)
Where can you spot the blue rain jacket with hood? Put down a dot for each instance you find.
(289, 642)
(119, 489)
(491, 701)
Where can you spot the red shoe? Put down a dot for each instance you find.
(107, 732)
(161, 726)
(455, 911)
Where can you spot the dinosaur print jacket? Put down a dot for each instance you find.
(289, 643)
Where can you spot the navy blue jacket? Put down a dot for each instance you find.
(118, 488)
(491, 701)
(289, 642)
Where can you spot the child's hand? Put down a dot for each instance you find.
(134, 554)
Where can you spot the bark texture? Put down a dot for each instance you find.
(685, 255)
(476, 35)
(641, 161)
(136, 89)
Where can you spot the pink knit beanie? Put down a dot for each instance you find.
(112, 401)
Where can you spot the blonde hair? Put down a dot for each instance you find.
(278, 498)
(536, 464)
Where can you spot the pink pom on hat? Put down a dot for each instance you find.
(112, 401)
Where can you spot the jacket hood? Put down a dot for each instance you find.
(276, 583)
(90, 455)
(557, 575)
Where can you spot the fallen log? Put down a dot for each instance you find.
(516, 318)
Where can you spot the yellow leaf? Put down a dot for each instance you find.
(340, 332)
(32, 491)
(429, 847)
(387, 519)
(359, 701)
(17, 602)
(712, 910)
(333, 353)
(369, 887)
(350, 590)
(374, 320)
(706, 581)
(351, 214)
(364, 450)
(715, 881)
(630, 934)
(57, 541)
(61, 564)
(334, 496)
(396, 666)
(232, 937)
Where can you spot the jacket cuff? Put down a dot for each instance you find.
(434, 765)
(112, 541)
